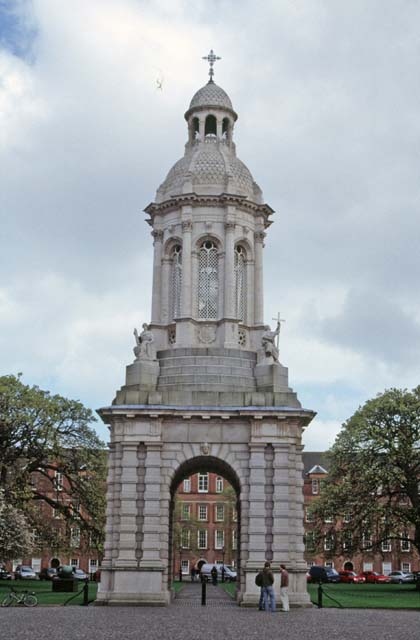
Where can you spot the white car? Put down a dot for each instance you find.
(230, 574)
(24, 572)
(401, 576)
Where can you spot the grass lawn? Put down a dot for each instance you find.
(43, 591)
(368, 596)
(230, 587)
(177, 585)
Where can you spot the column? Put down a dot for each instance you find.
(256, 520)
(166, 274)
(109, 526)
(258, 279)
(157, 266)
(229, 281)
(281, 502)
(151, 512)
(128, 507)
(186, 311)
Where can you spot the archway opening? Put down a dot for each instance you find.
(348, 566)
(204, 527)
(210, 126)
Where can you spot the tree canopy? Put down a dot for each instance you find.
(373, 485)
(15, 533)
(50, 436)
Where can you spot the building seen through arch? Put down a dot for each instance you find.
(206, 392)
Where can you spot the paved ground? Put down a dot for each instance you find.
(205, 623)
(190, 596)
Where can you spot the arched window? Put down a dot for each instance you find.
(211, 126)
(226, 129)
(208, 281)
(240, 282)
(176, 281)
(196, 128)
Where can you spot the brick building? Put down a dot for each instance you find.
(205, 522)
(67, 542)
(393, 555)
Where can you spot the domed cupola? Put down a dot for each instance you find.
(210, 165)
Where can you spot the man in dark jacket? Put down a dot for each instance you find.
(268, 589)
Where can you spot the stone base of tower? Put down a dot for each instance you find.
(298, 593)
(134, 587)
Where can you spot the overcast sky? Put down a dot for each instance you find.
(328, 97)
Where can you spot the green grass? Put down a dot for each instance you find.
(368, 596)
(230, 587)
(43, 591)
(177, 585)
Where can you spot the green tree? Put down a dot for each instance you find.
(52, 437)
(373, 486)
(15, 534)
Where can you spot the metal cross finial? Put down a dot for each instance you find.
(211, 59)
(279, 321)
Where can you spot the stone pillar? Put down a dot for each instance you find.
(249, 316)
(281, 514)
(256, 519)
(229, 282)
(166, 274)
(128, 507)
(151, 512)
(186, 310)
(110, 506)
(258, 278)
(157, 276)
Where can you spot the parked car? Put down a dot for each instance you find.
(48, 573)
(79, 574)
(322, 574)
(24, 572)
(374, 578)
(400, 577)
(4, 574)
(351, 577)
(230, 573)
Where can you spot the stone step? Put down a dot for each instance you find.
(203, 370)
(181, 361)
(222, 381)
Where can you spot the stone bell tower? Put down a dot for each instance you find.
(206, 390)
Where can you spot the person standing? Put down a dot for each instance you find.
(284, 586)
(213, 574)
(268, 588)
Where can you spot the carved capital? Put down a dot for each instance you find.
(229, 226)
(157, 235)
(186, 226)
(259, 236)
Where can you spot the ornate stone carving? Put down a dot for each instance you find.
(205, 449)
(186, 226)
(259, 236)
(229, 226)
(157, 235)
(206, 333)
(268, 343)
(145, 348)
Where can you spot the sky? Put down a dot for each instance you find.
(328, 100)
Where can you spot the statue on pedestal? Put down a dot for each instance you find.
(145, 348)
(268, 342)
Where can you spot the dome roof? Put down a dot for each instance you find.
(209, 168)
(211, 95)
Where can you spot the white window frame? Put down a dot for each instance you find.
(219, 539)
(36, 564)
(328, 542)
(234, 515)
(328, 519)
(406, 567)
(329, 564)
(185, 511)
(74, 562)
(187, 485)
(220, 518)
(347, 540)
(93, 565)
(58, 481)
(386, 568)
(234, 541)
(386, 546)
(315, 486)
(203, 512)
(368, 566)
(219, 484)
(405, 544)
(308, 515)
(75, 537)
(347, 518)
(185, 567)
(185, 538)
(203, 483)
(205, 535)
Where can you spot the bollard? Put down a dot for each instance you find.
(320, 595)
(203, 593)
(86, 593)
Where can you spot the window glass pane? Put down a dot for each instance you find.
(208, 281)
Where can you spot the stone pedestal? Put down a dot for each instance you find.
(271, 377)
(144, 373)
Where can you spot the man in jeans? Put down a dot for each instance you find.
(268, 589)
(284, 585)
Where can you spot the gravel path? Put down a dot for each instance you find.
(204, 623)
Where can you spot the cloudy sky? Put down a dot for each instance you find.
(328, 97)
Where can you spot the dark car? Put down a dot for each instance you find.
(4, 574)
(323, 574)
(48, 573)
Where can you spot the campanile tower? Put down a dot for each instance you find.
(206, 391)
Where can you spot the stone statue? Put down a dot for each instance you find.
(268, 342)
(145, 348)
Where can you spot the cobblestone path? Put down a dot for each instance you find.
(190, 596)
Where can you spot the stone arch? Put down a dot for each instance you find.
(208, 236)
(244, 242)
(170, 244)
(348, 566)
(205, 464)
